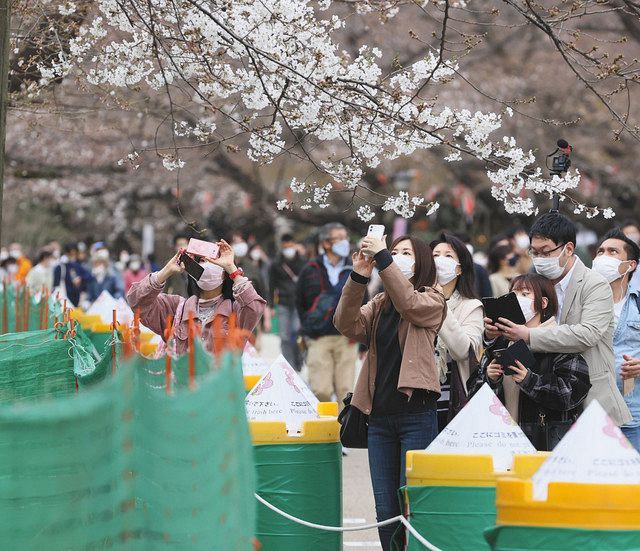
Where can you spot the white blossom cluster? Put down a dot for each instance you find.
(272, 71)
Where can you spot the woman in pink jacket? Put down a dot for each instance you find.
(221, 290)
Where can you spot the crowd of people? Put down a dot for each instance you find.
(412, 311)
(77, 271)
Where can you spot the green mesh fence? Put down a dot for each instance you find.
(19, 311)
(35, 365)
(123, 465)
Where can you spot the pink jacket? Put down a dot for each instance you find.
(155, 306)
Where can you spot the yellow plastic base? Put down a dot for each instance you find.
(569, 505)
(314, 431)
(250, 381)
(430, 469)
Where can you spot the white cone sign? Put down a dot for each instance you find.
(483, 427)
(281, 395)
(594, 451)
(252, 362)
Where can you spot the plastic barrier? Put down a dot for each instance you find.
(574, 516)
(452, 497)
(299, 474)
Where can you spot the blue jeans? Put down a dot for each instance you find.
(390, 437)
(633, 435)
(289, 327)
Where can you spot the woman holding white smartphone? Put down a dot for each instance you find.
(398, 385)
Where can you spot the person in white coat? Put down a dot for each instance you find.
(460, 337)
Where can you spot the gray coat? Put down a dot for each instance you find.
(586, 327)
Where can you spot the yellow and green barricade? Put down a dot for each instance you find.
(450, 499)
(302, 476)
(589, 517)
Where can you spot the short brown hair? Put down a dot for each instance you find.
(541, 288)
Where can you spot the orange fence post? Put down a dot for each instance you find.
(192, 354)
(167, 365)
(114, 327)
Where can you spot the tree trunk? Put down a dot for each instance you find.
(4, 96)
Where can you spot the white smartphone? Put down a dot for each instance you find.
(376, 230)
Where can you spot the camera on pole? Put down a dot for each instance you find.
(560, 162)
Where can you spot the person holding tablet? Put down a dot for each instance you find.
(547, 398)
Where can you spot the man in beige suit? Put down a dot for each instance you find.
(586, 320)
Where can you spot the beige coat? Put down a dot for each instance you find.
(421, 312)
(586, 327)
(499, 284)
(462, 329)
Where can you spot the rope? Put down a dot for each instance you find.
(399, 518)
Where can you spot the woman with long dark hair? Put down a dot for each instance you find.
(460, 337)
(398, 385)
(502, 268)
(220, 291)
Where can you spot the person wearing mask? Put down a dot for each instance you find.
(69, 276)
(585, 312)
(520, 242)
(23, 263)
(104, 279)
(546, 399)
(631, 229)
(177, 283)
(460, 337)
(41, 275)
(502, 266)
(617, 260)
(331, 358)
(243, 260)
(135, 272)
(481, 276)
(398, 385)
(8, 269)
(260, 260)
(221, 290)
(283, 276)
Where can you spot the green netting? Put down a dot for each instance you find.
(304, 480)
(450, 517)
(124, 465)
(35, 365)
(19, 311)
(530, 538)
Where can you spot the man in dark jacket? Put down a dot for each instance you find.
(283, 276)
(331, 358)
(70, 276)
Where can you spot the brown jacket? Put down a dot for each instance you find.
(422, 313)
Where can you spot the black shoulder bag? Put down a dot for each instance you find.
(354, 425)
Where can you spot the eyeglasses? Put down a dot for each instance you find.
(543, 254)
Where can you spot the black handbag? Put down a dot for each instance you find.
(545, 434)
(354, 425)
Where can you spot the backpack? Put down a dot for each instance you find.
(318, 320)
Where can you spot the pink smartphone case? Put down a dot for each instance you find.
(198, 247)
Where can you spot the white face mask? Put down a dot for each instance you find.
(341, 248)
(240, 249)
(608, 267)
(99, 272)
(134, 265)
(526, 305)
(406, 264)
(289, 252)
(255, 255)
(523, 241)
(211, 278)
(446, 269)
(549, 267)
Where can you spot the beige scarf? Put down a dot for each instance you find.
(442, 354)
